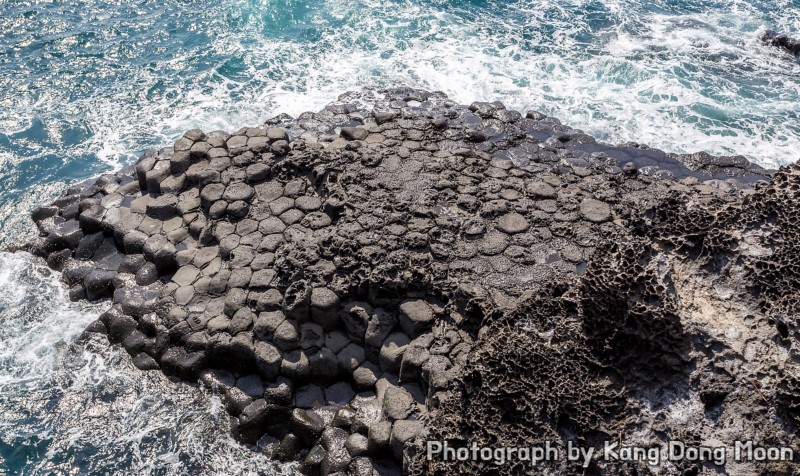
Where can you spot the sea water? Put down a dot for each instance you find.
(86, 85)
(78, 406)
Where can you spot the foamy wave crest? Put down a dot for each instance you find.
(683, 82)
(37, 320)
(682, 76)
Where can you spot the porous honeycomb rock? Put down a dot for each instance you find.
(399, 267)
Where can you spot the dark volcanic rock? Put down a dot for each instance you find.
(784, 42)
(398, 266)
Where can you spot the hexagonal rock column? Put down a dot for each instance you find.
(329, 275)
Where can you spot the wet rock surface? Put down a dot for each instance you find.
(399, 267)
(784, 42)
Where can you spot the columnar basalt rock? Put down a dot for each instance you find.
(398, 265)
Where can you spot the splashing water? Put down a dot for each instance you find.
(85, 86)
(82, 408)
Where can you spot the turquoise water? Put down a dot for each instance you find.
(85, 86)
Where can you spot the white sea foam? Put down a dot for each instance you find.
(16, 226)
(681, 82)
(697, 80)
(84, 409)
(37, 319)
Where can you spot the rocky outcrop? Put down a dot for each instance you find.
(784, 42)
(399, 267)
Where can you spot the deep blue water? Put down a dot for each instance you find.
(85, 86)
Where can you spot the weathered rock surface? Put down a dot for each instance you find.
(784, 42)
(398, 267)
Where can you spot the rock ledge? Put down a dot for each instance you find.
(399, 267)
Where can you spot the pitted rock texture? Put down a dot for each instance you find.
(683, 328)
(398, 267)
